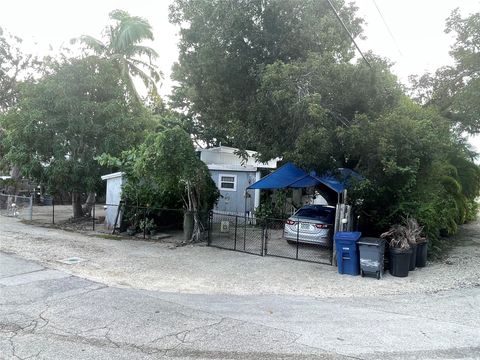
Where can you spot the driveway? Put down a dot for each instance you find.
(49, 314)
(206, 270)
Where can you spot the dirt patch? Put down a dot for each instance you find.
(62, 220)
(202, 269)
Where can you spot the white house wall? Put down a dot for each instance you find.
(234, 201)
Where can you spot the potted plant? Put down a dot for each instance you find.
(417, 242)
(132, 220)
(148, 225)
(413, 233)
(421, 241)
(399, 249)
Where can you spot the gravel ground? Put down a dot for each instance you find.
(205, 270)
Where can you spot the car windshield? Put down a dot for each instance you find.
(314, 213)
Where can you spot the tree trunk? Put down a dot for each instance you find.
(188, 225)
(87, 208)
(77, 205)
(16, 175)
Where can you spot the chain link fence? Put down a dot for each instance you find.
(16, 206)
(299, 240)
(154, 222)
(240, 233)
(110, 219)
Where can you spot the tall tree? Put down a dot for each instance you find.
(123, 45)
(225, 46)
(67, 118)
(303, 105)
(455, 89)
(14, 66)
(165, 172)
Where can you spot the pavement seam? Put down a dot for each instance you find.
(25, 273)
(297, 335)
(416, 316)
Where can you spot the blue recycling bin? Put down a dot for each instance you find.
(347, 252)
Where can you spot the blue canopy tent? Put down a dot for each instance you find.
(290, 176)
(281, 178)
(332, 188)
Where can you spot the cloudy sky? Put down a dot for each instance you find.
(417, 42)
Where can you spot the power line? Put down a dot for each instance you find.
(388, 28)
(348, 32)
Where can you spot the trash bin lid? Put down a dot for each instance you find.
(348, 235)
(371, 241)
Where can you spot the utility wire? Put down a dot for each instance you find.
(348, 32)
(388, 28)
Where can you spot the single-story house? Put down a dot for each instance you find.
(233, 175)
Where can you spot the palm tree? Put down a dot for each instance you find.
(123, 46)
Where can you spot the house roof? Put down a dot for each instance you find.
(227, 167)
(112, 175)
(228, 150)
(225, 155)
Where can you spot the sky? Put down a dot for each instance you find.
(417, 44)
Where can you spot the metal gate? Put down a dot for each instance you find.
(265, 237)
(16, 206)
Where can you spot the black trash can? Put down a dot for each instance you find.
(421, 254)
(399, 261)
(372, 251)
(413, 257)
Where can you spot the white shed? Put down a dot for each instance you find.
(114, 194)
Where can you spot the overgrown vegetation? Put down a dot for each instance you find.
(275, 76)
(164, 172)
(77, 111)
(246, 83)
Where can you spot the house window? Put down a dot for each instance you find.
(228, 182)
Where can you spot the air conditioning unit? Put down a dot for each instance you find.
(224, 226)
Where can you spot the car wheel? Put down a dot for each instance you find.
(292, 242)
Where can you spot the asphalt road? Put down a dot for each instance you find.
(49, 314)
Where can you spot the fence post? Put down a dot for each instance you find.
(53, 210)
(144, 222)
(298, 235)
(93, 217)
(235, 236)
(264, 237)
(244, 231)
(30, 214)
(209, 224)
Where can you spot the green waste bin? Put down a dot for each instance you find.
(371, 251)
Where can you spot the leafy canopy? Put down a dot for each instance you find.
(225, 47)
(68, 117)
(159, 172)
(14, 65)
(455, 89)
(123, 45)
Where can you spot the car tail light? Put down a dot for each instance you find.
(291, 222)
(321, 226)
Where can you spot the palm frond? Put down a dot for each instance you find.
(136, 71)
(90, 42)
(143, 50)
(155, 74)
(129, 31)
